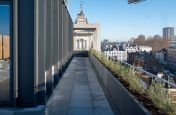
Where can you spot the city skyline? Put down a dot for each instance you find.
(121, 21)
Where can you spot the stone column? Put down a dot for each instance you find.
(77, 44)
(80, 45)
(86, 44)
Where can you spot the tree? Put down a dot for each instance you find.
(140, 40)
(156, 42)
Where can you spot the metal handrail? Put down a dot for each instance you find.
(148, 73)
(151, 75)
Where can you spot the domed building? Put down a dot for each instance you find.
(86, 35)
(81, 19)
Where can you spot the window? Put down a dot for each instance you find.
(5, 52)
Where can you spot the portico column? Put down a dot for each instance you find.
(83, 43)
(77, 41)
(75, 44)
(86, 44)
(80, 45)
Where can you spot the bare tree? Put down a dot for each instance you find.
(156, 42)
(140, 40)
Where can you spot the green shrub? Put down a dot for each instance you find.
(136, 85)
(160, 98)
(155, 92)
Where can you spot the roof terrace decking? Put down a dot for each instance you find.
(78, 93)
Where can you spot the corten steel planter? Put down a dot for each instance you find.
(124, 101)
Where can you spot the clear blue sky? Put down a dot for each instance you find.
(121, 21)
(4, 19)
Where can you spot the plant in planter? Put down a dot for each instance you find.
(155, 93)
(136, 85)
(131, 79)
(104, 60)
(160, 98)
(111, 65)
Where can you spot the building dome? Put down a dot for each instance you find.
(81, 18)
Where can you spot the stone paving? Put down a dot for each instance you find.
(78, 93)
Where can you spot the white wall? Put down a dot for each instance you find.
(119, 55)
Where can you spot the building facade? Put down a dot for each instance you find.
(161, 56)
(41, 45)
(86, 35)
(147, 49)
(171, 55)
(135, 48)
(168, 33)
(131, 49)
(118, 55)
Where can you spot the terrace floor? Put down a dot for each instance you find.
(78, 93)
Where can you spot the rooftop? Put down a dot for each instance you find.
(78, 93)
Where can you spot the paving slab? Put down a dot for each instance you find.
(86, 94)
(77, 93)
